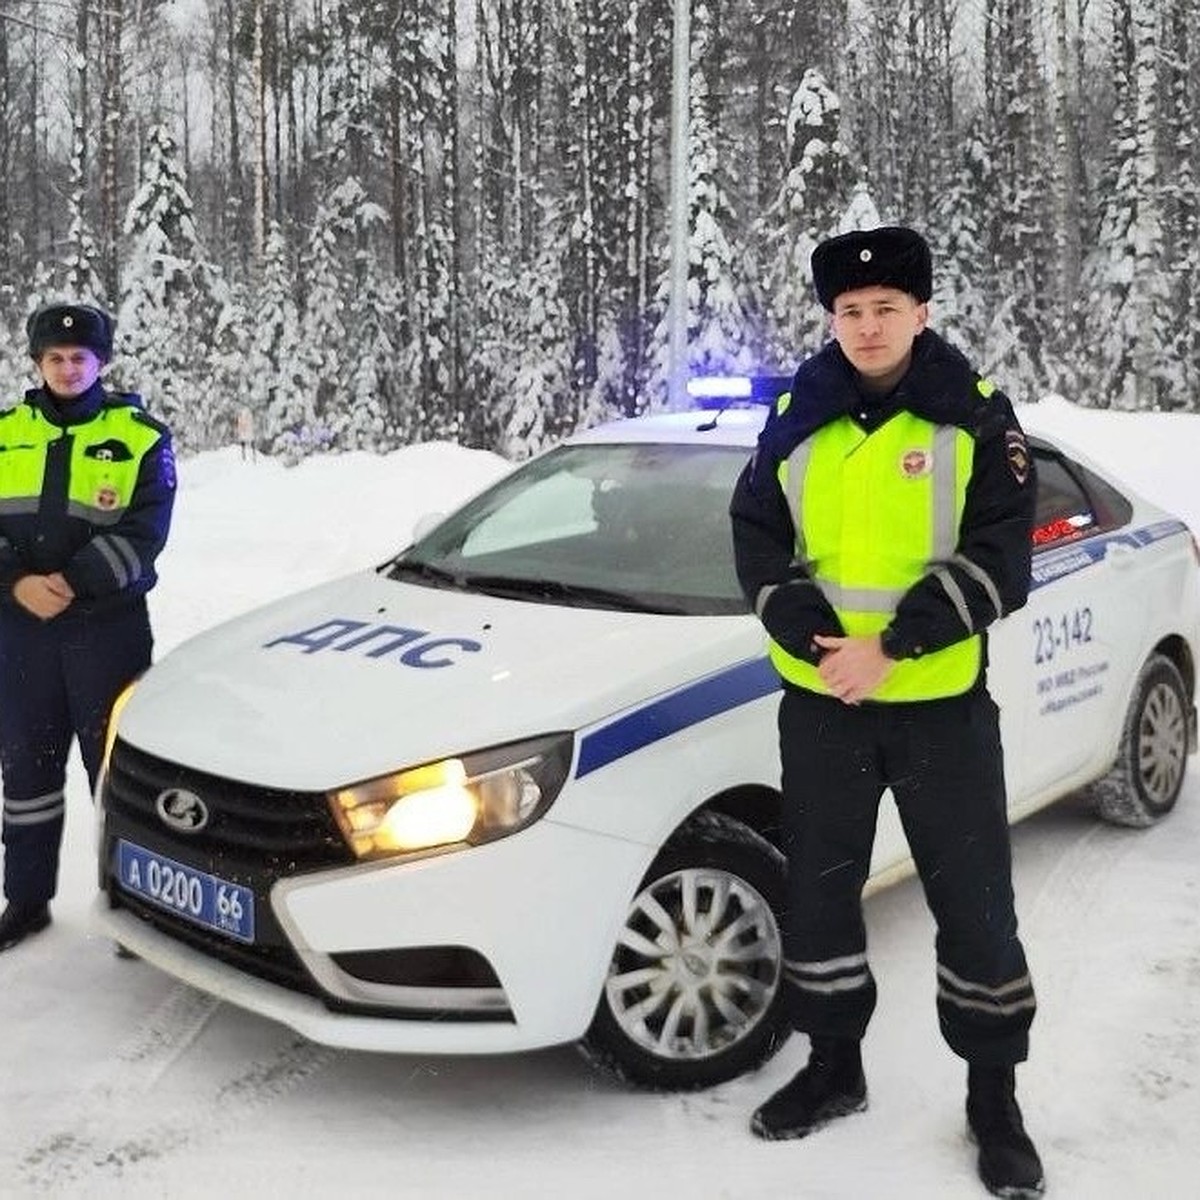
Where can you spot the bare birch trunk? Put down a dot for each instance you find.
(258, 72)
(112, 20)
(1068, 183)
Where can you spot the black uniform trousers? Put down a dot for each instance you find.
(942, 760)
(58, 681)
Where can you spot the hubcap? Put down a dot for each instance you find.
(697, 964)
(1162, 745)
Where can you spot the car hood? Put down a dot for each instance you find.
(366, 674)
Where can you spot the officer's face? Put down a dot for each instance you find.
(69, 370)
(875, 326)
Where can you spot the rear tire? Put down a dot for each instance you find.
(1144, 783)
(693, 995)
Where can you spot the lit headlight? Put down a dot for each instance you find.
(114, 715)
(472, 799)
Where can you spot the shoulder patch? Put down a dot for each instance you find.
(1017, 452)
(142, 417)
(167, 465)
(985, 388)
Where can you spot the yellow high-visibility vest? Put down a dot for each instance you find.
(106, 455)
(874, 513)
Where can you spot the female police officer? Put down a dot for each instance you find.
(883, 524)
(87, 483)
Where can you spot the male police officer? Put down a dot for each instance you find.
(882, 525)
(87, 483)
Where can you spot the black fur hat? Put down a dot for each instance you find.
(70, 325)
(890, 256)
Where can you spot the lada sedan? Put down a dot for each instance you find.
(519, 785)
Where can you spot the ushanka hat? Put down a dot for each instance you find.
(890, 256)
(70, 325)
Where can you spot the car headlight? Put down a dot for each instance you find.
(114, 715)
(476, 798)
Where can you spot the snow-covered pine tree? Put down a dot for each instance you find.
(1181, 206)
(310, 383)
(613, 57)
(1126, 285)
(337, 265)
(1067, 185)
(81, 278)
(232, 370)
(812, 200)
(721, 322)
(620, 358)
(958, 240)
(1019, 203)
(539, 387)
(362, 420)
(168, 301)
(272, 387)
(429, 384)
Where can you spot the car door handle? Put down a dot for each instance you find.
(1119, 554)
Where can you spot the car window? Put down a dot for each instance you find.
(1073, 502)
(646, 521)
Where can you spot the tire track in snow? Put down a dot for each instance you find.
(1090, 898)
(1069, 901)
(127, 1117)
(66, 1154)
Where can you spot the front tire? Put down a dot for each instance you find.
(1144, 783)
(693, 995)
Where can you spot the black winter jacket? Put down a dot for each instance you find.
(995, 531)
(107, 566)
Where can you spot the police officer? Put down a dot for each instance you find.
(883, 523)
(87, 483)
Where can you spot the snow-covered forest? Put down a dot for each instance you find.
(380, 222)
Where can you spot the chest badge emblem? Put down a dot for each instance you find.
(915, 464)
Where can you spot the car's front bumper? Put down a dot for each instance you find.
(542, 909)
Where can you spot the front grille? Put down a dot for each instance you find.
(254, 837)
(280, 831)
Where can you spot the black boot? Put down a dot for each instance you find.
(18, 921)
(1008, 1163)
(830, 1086)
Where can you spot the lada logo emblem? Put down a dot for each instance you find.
(182, 811)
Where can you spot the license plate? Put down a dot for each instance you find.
(197, 896)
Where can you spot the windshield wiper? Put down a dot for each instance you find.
(524, 588)
(520, 588)
(424, 572)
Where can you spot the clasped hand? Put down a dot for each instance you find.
(46, 596)
(852, 668)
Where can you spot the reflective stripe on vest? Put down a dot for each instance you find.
(874, 513)
(106, 455)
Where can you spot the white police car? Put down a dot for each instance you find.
(518, 786)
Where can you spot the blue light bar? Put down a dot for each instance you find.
(724, 391)
(727, 387)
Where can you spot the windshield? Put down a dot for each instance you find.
(637, 526)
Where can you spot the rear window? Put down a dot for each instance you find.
(1073, 502)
